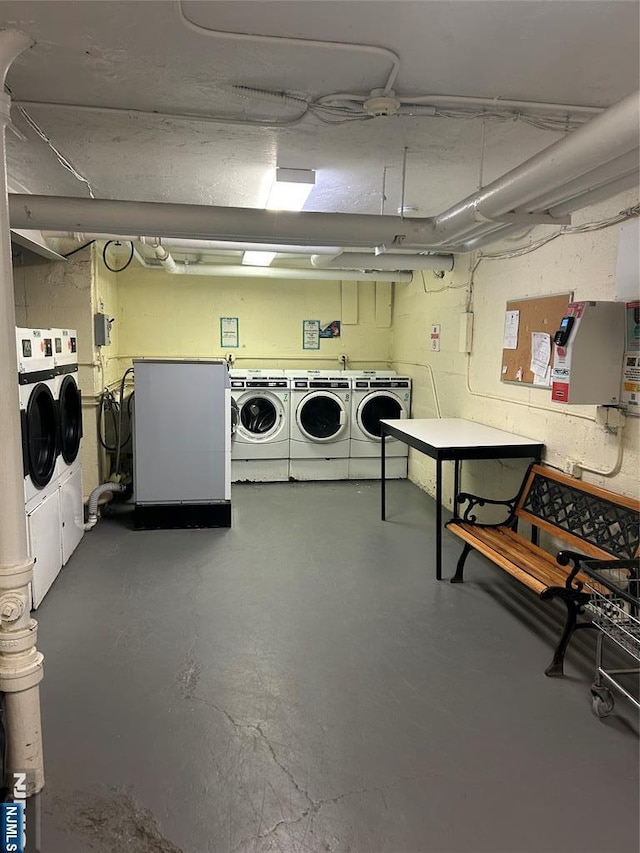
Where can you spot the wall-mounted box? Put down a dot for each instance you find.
(101, 330)
(589, 347)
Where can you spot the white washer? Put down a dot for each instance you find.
(69, 469)
(260, 443)
(377, 395)
(38, 414)
(320, 410)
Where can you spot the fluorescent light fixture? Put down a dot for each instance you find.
(290, 189)
(258, 259)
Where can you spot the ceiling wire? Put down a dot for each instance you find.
(59, 155)
(622, 216)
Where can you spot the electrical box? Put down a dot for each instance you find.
(587, 360)
(102, 330)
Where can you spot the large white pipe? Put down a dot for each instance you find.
(21, 665)
(596, 195)
(606, 137)
(201, 245)
(242, 271)
(202, 222)
(385, 261)
(627, 165)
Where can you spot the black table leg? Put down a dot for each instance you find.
(382, 474)
(438, 519)
(456, 486)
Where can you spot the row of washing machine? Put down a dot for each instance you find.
(315, 425)
(51, 422)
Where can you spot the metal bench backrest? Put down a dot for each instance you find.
(593, 520)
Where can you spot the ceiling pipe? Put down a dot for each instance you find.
(240, 271)
(596, 195)
(370, 261)
(200, 245)
(21, 664)
(628, 164)
(471, 102)
(607, 137)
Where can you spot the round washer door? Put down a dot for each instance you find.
(377, 406)
(235, 414)
(322, 416)
(70, 422)
(41, 439)
(261, 416)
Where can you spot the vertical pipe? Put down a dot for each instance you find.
(20, 662)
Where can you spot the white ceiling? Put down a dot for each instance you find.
(142, 56)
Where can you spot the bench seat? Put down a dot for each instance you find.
(593, 521)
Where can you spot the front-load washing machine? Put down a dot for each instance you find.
(39, 423)
(69, 409)
(377, 396)
(260, 442)
(320, 409)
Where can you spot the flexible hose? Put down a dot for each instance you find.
(93, 501)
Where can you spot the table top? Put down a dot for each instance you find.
(450, 433)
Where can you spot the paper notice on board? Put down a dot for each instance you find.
(511, 323)
(540, 353)
(543, 379)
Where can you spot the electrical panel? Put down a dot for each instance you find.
(589, 347)
(102, 330)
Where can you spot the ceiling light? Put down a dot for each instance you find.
(258, 259)
(290, 189)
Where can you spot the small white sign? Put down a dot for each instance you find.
(511, 323)
(229, 333)
(435, 337)
(540, 355)
(311, 334)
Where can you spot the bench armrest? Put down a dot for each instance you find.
(566, 557)
(475, 501)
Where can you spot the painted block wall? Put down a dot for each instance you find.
(163, 315)
(470, 387)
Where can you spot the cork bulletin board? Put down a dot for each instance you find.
(539, 314)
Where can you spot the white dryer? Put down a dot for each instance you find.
(320, 414)
(69, 410)
(38, 415)
(260, 442)
(377, 395)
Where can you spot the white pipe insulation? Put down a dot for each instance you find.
(208, 246)
(242, 271)
(390, 261)
(21, 664)
(609, 136)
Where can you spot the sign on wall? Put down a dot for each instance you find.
(331, 330)
(311, 334)
(229, 338)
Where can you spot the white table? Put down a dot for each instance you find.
(453, 439)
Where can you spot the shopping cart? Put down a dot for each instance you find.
(614, 591)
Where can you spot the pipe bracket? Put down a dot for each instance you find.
(17, 642)
(16, 575)
(27, 674)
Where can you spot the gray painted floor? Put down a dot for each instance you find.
(302, 683)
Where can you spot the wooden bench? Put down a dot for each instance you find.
(593, 521)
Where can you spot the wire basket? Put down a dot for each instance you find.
(614, 590)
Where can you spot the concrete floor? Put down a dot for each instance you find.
(302, 683)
